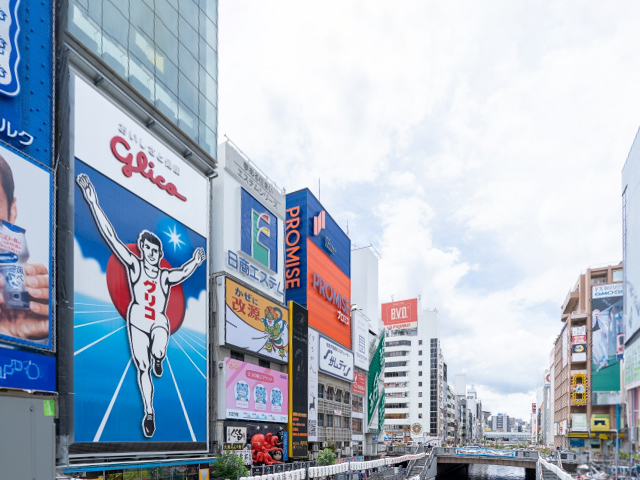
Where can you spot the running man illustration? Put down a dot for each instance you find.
(150, 287)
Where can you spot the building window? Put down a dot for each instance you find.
(339, 395)
(330, 393)
(419, 405)
(345, 422)
(419, 363)
(419, 342)
(617, 275)
(264, 363)
(419, 415)
(321, 419)
(329, 420)
(320, 390)
(420, 373)
(347, 398)
(419, 394)
(337, 423)
(419, 352)
(419, 384)
(599, 279)
(237, 356)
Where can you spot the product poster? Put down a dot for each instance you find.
(256, 324)
(606, 324)
(25, 252)
(312, 411)
(256, 393)
(140, 284)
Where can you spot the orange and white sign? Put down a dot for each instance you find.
(403, 314)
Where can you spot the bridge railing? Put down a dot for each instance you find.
(543, 465)
(521, 454)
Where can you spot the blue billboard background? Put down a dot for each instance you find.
(26, 102)
(108, 403)
(27, 371)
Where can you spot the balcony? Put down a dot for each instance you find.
(570, 301)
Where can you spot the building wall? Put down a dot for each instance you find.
(166, 53)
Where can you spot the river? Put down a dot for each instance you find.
(486, 472)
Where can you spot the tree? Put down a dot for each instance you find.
(326, 457)
(230, 465)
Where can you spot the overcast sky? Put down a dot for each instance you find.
(477, 145)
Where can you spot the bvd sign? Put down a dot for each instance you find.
(403, 314)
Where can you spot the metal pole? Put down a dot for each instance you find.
(617, 452)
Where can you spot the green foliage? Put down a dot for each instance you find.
(326, 457)
(230, 465)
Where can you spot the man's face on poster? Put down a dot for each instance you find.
(8, 212)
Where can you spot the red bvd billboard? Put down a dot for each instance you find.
(403, 314)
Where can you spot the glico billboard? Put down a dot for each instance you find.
(140, 287)
(318, 266)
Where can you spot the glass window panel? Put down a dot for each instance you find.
(142, 47)
(85, 29)
(115, 55)
(95, 11)
(142, 17)
(187, 121)
(210, 9)
(167, 72)
(208, 87)
(188, 64)
(167, 41)
(115, 23)
(168, 15)
(188, 36)
(83, 3)
(123, 6)
(209, 59)
(166, 101)
(141, 78)
(209, 32)
(188, 93)
(209, 141)
(189, 10)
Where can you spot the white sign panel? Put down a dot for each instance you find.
(611, 290)
(360, 332)
(313, 387)
(236, 435)
(335, 359)
(577, 331)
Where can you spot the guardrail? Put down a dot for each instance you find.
(542, 464)
(521, 454)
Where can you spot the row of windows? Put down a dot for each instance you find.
(333, 421)
(395, 364)
(400, 353)
(240, 356)
(335, 395)
(399, 343)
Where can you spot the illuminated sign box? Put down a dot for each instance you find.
(318, 266)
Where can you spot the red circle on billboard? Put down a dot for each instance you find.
(118, 285)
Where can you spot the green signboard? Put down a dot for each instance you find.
(375, 399)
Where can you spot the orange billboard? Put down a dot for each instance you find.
(403, 314)
(328, 296)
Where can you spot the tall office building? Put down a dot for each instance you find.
(414, 373)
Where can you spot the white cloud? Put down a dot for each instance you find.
(478, 146)
(89, 279)
(196, 315)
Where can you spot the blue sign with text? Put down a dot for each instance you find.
(27, 371)
(26, 78)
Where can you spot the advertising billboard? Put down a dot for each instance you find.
(375, 398)
(27, 371)
(298, 380)
(606, 323)
(249, 217)
(26, 78)
(140, 285)
(359, 386)
(255, 323)
(579, 422)
(403, 314)
(335, 359)
(26, 304)
(632, 365)
(360, 329)
(312, 410)
(256, 393)
(318, 266)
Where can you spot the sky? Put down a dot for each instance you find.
(477, 145)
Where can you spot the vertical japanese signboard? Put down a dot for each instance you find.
(312, 410)
(140, 286)
(374, 398)
(298, 380)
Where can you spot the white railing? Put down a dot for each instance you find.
(542, 463)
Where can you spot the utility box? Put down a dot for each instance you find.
(27, 438)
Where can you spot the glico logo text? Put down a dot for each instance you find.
(292, 240)
(259, 232)
(331, 294)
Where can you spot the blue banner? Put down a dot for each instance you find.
(27, 371)
(26, 78)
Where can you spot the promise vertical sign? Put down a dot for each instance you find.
(298, 379)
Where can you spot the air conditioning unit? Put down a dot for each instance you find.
(314, 447)
(325, 444)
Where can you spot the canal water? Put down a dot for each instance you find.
(485, 472)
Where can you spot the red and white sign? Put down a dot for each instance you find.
(359, 384)
(403, 314)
